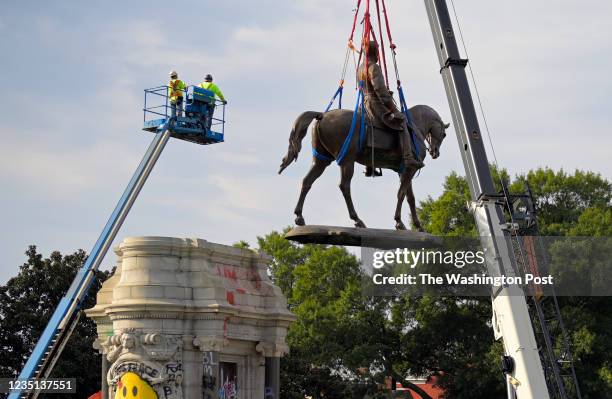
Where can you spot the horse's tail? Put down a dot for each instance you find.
(298, 132)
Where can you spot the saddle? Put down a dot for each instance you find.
(383, 146)
(381, 139)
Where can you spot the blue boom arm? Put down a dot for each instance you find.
(57, 332)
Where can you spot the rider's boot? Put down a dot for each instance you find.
(406, 149)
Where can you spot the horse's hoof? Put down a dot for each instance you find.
(419, 228)
(360, 224)
(400, 226)
(299, 221)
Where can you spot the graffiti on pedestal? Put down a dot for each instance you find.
(210, 370)
(228, 376)
(144, 360)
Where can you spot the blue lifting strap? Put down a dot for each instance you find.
(409, 121)
(338, 94)
(321, 157)
(349, 137)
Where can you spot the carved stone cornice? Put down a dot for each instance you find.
(207, 344)
(272, 349)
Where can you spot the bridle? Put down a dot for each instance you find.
(428, 137)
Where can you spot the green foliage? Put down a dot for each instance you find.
(337, 331)
(241, 244)
(27, 302)
(562, 199)
(448, 215)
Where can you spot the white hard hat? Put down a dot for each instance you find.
(173, 73)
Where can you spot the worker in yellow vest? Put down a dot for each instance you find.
(176, 90)
(209, 85)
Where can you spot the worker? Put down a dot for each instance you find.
(209, 85)
(381, 109)
(176, 89)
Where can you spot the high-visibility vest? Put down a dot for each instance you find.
(175, 89)
(214, 88)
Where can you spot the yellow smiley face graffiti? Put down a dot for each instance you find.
(131, 386)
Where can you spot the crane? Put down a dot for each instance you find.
(526, 374)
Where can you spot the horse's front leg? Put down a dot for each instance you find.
(346, 171)
(316, 170)
(401, 194)
(411, 203)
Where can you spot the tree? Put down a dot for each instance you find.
(27, 302)
(575, 204)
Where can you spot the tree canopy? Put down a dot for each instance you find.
(27, 302)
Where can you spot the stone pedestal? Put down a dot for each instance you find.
(191, 319)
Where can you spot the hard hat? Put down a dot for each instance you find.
(208, 78)
(173, 74)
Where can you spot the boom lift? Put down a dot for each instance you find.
(196, 127)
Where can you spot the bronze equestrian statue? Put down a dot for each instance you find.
(388, 142)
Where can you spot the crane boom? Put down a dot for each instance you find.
(511, 319)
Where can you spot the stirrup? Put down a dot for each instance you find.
(373, 172)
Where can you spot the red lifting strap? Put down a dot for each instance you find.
(382, 44)
(354, 21)
(384, 7)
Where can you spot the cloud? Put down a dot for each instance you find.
(61, 173)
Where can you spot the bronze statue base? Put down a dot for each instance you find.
(359, 237)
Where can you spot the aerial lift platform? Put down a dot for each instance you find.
(196, 125)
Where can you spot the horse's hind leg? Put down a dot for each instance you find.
(316, 169)
(346, 171)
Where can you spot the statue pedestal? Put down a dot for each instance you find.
(190, 319)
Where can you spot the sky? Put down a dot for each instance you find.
(72, 96)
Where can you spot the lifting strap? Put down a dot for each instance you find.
(382, 44)
(337, 94)
(320, 156)
(349, 137)
(410, 122)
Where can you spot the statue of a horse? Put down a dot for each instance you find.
(328, 135)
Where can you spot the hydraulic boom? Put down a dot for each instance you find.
(511, 320)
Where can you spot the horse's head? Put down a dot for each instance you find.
(435, 136)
